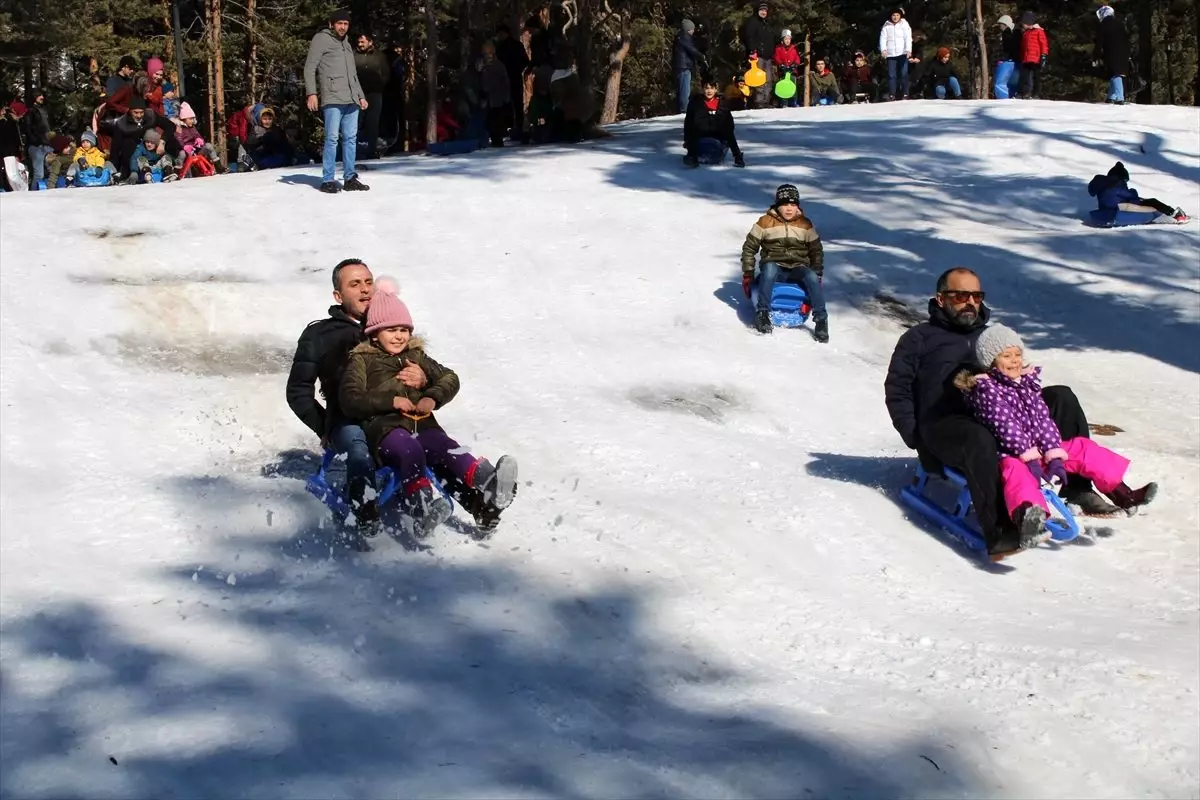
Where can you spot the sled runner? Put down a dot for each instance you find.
(789, 304)
(920, 498)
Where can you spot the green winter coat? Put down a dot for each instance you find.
(788, 244)
(369, 386)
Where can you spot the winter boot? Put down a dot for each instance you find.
(1179, 216)
(691, 161)
(1090, 503)
(486, 516)
(330, 187)
(821, 333)
(762, 322)
(1130, 500)
(1031, 526)
(353, 184)
(497, 484)
(427, 508)
(366, 518)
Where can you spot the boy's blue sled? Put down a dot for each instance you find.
(789, 304)
(1121, 218)
(1063, 527)
(386, 489)
(710, 151)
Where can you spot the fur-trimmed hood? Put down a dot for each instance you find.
(966, 380)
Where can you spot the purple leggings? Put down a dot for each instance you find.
(409, 454)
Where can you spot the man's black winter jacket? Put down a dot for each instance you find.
(321, 355)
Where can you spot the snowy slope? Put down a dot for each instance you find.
(706, 587)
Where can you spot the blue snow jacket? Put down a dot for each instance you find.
(1110, 192)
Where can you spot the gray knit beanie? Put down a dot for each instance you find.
(994, 340)
(687, 26)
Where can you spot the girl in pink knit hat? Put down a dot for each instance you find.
(189, 138)
(399, 422)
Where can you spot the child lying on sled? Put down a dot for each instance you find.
(1008, 400)
(399, 422)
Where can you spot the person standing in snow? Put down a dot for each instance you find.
(339, 99)
(122, 77)
(758, 40)
(399, 423)
(685, 57)
(707, 118)
(788, 250)
(932, 416)
(1007, 399)
(1035, 47)
(895, 46)
(1112, 53)
(373, 71)
(1007, 78)
(787, 59)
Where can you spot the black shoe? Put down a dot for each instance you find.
(1090, 503)
(821, 333)
(691, 161)
(366, 519)
(739, 162)
(428, 509)
(497, 483)
(353, 184)
(762, 322)
(330, 187)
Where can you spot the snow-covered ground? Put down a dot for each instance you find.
(706, 586)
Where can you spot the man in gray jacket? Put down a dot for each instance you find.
(331, 60)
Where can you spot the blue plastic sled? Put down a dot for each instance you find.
(789, 304)
(1116, 218)
(1063, 527)
(93, 176)
(386, 488)
(710, 151)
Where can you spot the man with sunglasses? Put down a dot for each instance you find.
(932, 417)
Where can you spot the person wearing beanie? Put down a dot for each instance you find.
(758, 41)
(1007, 398)
(1035, 48)
(399, 423)
(122, 77)
(943, 76)
(192, 142)
(787, 59)
(895, 46)
(788, 250)
(150, 160)
(685, 58)
(858, 84)
(58, 161)
(708, 129)
(330, 66)
(1113, 193)
(89, 160)
(37, 136)
(1006, 79)
(1111, 53)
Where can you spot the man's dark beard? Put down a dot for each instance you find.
(965, 317)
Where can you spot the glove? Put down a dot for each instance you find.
(82, 162)
(747, 279)
(1044, 60)
(199, 142)
(187, 148)
(1035, 467)
(1056, 472)
(739, 161)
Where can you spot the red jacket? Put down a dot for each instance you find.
(786, 56)
(238, 126)
(1034, 45)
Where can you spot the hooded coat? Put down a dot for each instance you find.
(329, 70)
(1013, 410)
(1112, 46)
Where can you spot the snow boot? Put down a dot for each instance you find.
(1130, 500)
(821, 333)
(1031, 526)
(428, 509)
(1090, 503)
(366, 518)
(691, 161)
(1179, 216)
(330, 187)
(353, 184)
(762, 322)
(497, 484)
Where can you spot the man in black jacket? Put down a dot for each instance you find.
(685, 57)
(129, 129)
(1112, 53)
(708, 118)
(373, 74)
(37, 135)
(758, 38)
(932, 416)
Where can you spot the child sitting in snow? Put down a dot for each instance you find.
(189, 138)
(59, 162)
(1113, 193)
(150, 158)
(89, 165)
(399, 422)
(1008, 400)
(708, 128)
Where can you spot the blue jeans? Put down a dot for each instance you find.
(351, 439)
(37, 161)
(343, 119)
(1116, 89)
(897, 69)
(770, 273)
(955, 89)
(683, 89)
(1006, 80)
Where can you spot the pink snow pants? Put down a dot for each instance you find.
(1100, 465)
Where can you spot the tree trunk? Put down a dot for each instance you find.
(218, 85)
(251, 50)
(431, 69)
(208, 67)
(1145, 12)
(981, 37)
(169, 40)
(807, 66)
(616, 63)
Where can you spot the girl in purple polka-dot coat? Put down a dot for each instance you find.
(1008, 400)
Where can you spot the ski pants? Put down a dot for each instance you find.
(963, 443)
(408, 454)
(1084, 457)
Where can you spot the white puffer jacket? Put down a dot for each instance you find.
(895, 40)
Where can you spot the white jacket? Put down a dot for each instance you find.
(895, 40)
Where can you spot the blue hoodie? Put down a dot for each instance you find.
(1110, 191)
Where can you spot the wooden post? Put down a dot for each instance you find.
(169, 42)
(807, 67)
(981, 34)
(431, 100)
(616, 63)
(218, 86)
